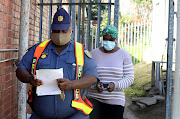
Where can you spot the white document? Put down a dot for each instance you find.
(48, 77)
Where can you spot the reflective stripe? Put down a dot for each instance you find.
(39, 49)
(77, 103)
(79, 54)
(81, 106)
(43, 44)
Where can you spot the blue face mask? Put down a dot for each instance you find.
(108, 45)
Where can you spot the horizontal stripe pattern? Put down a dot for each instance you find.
(119, 71)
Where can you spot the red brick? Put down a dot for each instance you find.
(9, 19)
(5, 10)
(5, 70)
(6, 113)
(8, 104)
(6, 2)
(1, 23)
(12, 27)
(5, 94)
(2, 16)
(8, 84)
(7, 47)
(5, 25)
(1, 33)
(5, 78)
(15, 113)
(7, 56)
(1, 88)
(5, 33)
(2, 106)
(9, 41)
(16, 29)
(16, 34)
(1, 7)
(9, 116)
(10, 4)
(13, 12)
(0, 79)
(5, 64)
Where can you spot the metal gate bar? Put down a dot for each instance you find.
(50, 16)
(79, 22)
(109, 13)
(40, 23)
(169, 59)
(81, 31)
(74, 3)
(88, 44)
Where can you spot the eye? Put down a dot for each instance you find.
(64, 31)
(55, 31)
(104, 39)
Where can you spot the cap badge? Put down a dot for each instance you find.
(60, 18)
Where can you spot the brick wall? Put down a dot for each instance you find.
(9, 39)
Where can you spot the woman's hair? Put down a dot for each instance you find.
(110, 30)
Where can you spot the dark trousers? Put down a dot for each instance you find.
(78, 115)
(106, 111)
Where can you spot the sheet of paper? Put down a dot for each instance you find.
(50, 86)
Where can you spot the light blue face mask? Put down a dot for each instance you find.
(108, 45)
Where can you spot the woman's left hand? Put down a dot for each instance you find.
(110, 86)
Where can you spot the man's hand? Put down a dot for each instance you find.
(99, 87)
(64, 84)
(34, 81)
(110, 87)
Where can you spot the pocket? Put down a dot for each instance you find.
(71, 68)
(44, 63)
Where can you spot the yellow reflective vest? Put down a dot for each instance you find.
(78, 103)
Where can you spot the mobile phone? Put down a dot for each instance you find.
(105, 85)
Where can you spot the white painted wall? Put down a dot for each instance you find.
(159, 28)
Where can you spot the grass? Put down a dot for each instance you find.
(142, 80)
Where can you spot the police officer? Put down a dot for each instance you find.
(59, 52)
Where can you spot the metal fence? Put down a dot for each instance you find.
(82, 32)
(136, 39)
(8, 57)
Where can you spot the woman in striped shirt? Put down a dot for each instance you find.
(116, 73)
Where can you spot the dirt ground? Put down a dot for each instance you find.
(156, 111)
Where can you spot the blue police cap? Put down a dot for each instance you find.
(61, 20)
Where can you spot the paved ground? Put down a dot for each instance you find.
(128, 114)
(156, 111)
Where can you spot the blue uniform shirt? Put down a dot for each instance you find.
(53, 106)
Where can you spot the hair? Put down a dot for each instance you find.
(110, 30)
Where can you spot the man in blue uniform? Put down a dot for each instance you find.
(59, 53)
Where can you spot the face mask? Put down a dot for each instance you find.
(108, 45)
(60, 39)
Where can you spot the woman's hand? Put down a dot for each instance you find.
(99, 87)
(110, 86)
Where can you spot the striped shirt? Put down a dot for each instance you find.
(114, 67)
